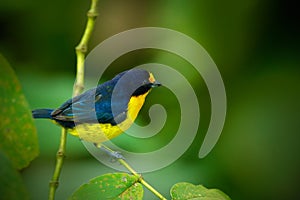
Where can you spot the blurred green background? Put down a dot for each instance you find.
(255, 45)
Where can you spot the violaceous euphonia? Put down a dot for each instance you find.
(103, 112)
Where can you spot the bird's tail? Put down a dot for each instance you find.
(42, 113)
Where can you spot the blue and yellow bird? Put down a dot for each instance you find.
(105, 111)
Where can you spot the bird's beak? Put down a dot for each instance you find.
(156, 84)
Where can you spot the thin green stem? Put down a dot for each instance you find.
(130, 169)
(141, 180)
(59, 163)
(81, 50)
(154, 191)
(82, 47)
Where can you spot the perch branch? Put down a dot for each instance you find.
(81, 50)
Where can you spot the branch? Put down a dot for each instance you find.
(141, 180)
(127, 166)
(59, 163)
(82, 47)
(81, 50)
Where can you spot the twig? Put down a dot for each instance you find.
(81, 50)
(140, 178)
(59, 163)
(82, 47)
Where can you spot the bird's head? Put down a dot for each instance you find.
(137, 81)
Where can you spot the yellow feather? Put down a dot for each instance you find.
(98, 133)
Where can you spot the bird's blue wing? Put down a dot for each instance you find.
(93, 106)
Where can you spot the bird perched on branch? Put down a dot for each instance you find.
(105, 111)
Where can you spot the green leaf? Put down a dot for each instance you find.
(110, 186)
(186, 191)
(11, 185)
(18, 138)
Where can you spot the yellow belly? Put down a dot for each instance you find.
(98, 133)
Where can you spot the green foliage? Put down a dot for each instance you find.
(186, 191)
(18, 139)
(110, 186)
(11, 185)
(125, 186)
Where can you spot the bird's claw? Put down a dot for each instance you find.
(115, 155)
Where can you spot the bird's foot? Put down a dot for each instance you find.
(115, 155)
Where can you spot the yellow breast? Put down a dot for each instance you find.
(98, 133)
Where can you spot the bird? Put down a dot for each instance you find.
(105, 111)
